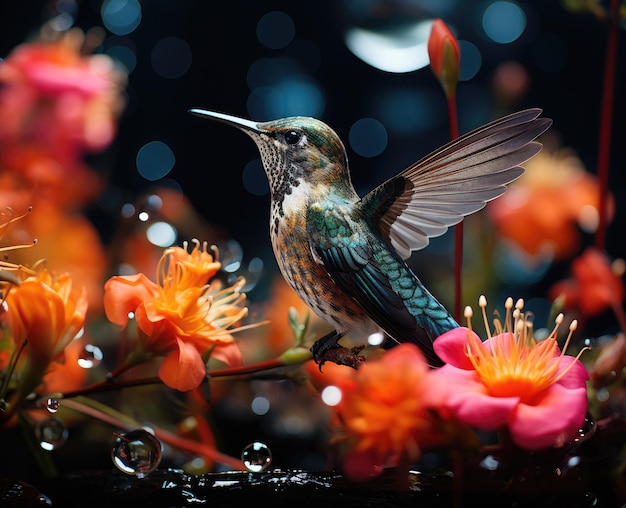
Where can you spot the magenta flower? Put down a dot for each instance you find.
(512, 381)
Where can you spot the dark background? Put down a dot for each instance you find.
(224, 44)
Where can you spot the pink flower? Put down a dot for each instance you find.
(57, 100)
(510, 380)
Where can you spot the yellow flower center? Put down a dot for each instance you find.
(514, 364)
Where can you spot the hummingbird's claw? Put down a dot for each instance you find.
(327, 349)
(343, 356)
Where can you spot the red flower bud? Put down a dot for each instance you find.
(445, 56)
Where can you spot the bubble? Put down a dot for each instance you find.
(51, 433)
(231, 255)
(587, 429)
(52, 404)
(90, 356)
(256, 457)
(136, 453)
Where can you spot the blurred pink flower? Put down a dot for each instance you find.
(511, 381)
(58, 97)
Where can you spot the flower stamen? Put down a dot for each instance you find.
(514, 364)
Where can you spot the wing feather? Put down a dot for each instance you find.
(458, 179)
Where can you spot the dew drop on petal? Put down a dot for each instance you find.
(90, 356)
(51, 433)
(136, 453)
(256, 457)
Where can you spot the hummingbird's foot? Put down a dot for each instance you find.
(343, 356)
(327, 349)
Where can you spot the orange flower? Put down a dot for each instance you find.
(68, 242)
(543, 210)
(596, 285)
(386, 411)
(45, 314)
(445, 56)
(180, 316)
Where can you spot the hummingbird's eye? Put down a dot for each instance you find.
(293, 137)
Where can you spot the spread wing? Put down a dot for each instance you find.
(454, 181)
(374, 276)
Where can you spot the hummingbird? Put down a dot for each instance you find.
(345, 255)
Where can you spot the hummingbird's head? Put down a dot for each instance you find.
(293, 150)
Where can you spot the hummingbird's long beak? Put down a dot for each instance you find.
(242, 123)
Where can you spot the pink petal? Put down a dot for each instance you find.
(551, 422)
(576, 375)
(468, 399)
(183, 369)
(451, 347)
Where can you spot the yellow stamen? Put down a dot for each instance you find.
(515, 365)
(482, 303)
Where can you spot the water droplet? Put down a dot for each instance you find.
(90, 356)
(137, 452)
(51, 404)
(587, 429)
(51, 433)
(256, 457)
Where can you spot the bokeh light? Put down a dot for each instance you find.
(254, 179)
(504, 22)
(155, 160)
(171, 57)
(275, 30)
(121, 17)
(331, 395)
(408, 110)
(291, 97)
(400, 49)
(161, 234)
(471, 60)
(368, 137)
